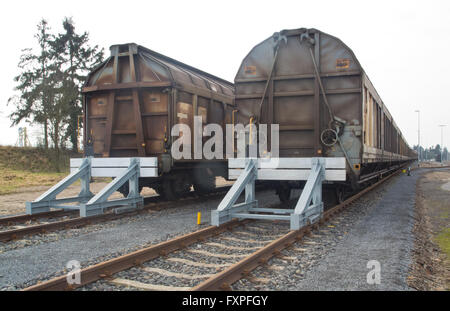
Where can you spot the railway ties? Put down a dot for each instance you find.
(192, 267)
(185, 268)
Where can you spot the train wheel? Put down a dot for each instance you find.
(340, 195)
(125, 189)
(204, 179)
(206, 185)
(174, 188)
(284, 192)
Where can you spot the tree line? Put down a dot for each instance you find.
(432, 153)
(50, 81)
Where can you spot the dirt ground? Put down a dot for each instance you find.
(431, 267)
(434, 164)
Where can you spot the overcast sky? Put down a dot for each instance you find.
(402, 45)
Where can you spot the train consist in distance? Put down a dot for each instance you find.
(308, 82)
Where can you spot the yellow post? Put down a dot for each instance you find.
(199, 218)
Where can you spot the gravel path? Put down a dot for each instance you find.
(25, 266)
(383, 234)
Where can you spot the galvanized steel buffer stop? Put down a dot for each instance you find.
(309, 207)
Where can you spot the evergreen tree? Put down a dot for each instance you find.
(75, 58)
(50, 82)
(35, 83)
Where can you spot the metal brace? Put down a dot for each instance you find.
(48, 199)
(100, 201)
(90, 204)
(227, 207)
(309, 207)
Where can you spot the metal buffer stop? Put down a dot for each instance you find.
(309, 207)
(122, 169)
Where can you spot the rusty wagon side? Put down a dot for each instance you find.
(131, 102)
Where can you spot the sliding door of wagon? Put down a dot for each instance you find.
(155, 120)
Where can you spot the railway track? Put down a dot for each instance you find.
(241, 269)
(212, 258)
(16, 227)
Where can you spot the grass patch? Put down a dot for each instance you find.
(25, 167)
(444, 214)
(35, 159)
(12, 180)
(443, 239)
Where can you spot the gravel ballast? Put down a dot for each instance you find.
(384, 234)
(26, 265)
(376, 227)
(175, 271)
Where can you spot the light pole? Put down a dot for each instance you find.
(442, 139)
(418, 134)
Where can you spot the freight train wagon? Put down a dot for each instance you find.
(131, 102)
(313, 86)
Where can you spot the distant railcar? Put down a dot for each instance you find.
(313, 86)
(131, 102)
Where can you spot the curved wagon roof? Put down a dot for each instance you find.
(146, 68)
(256, 65)
(262, 55)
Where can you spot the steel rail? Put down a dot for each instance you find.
(77, 222)
(14, 234)
(105, 270)
(224, 279)
(21, 218)
(9, 220)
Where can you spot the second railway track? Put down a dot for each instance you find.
(212, 258)
(16, 227)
